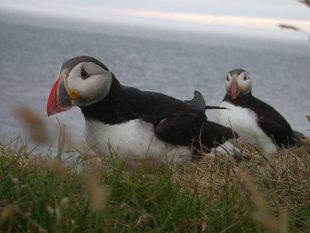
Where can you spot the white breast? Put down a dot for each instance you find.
(243, 121)
(134, 138)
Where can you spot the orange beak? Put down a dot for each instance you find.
(234, 89)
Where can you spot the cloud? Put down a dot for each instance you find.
(100, 12)
(213, 19)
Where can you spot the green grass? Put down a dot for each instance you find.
(249, 193)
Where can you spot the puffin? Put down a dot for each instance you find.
(255, 121)
(131, 122)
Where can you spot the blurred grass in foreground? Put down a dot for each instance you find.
(217, 194)
(247, 192)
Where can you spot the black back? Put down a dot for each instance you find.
(174, 121)
(270, 120)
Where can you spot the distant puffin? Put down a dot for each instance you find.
(255, 122)
(132, 122)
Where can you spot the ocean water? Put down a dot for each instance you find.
(172, 62)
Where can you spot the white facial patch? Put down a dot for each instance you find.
(91, 89)
(243, 82)
(228, 83)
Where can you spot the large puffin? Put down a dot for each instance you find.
(256, 122)
(132, 122)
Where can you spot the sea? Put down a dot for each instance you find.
(175, 62)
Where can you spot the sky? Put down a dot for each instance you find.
(254, 13)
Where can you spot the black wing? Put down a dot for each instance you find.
(270, 120)
(181, 128)
(272, 123)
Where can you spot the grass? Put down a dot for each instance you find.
(248, 193)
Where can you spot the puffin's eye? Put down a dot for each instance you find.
(227, 78)
(245, 78)
(84, 74)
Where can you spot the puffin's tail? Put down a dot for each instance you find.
(200, 102)
(197, 101)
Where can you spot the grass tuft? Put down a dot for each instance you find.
(245, 193)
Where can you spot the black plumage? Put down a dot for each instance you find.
(269, 120)
(213, 134)
(175, 121)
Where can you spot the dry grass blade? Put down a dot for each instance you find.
(6, 213)
(61, 140)
(262, 213)
(55, 166)
(294, 28)
(145, 219)
(35, 124)
(98, 193)
(204, 225)
(286, 26)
